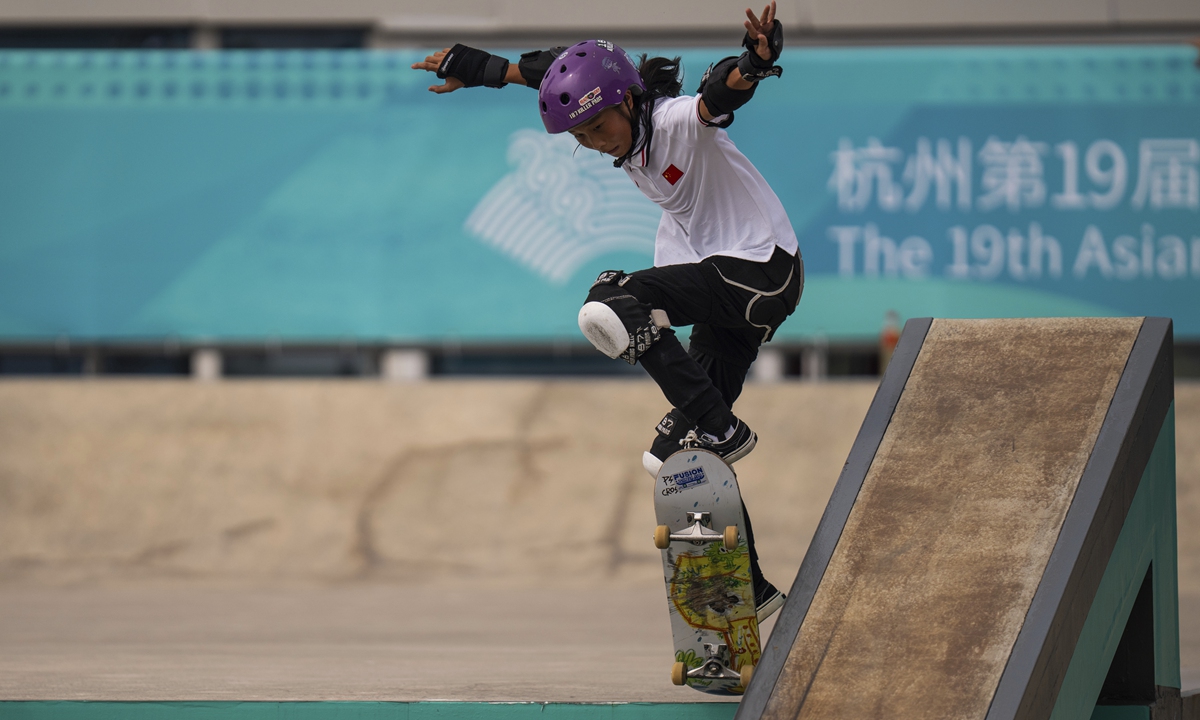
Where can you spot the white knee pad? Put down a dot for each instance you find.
(603, 329)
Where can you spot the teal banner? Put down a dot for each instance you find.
(328, 196)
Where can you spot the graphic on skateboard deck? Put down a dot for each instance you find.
(706, 564)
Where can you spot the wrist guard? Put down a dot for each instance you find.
(719, 98)
(533, 65)
(473, 67)
(753, 67)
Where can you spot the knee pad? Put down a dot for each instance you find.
(603, 328)
(768, 309)
(616, 322)
(768, 312)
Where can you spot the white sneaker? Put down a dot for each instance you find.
(772, 602)
(651, 464)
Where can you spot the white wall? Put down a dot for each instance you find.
(409, 18)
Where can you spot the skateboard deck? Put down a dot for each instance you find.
(706, 564)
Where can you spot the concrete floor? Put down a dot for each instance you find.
(350, 642)
(365, 641)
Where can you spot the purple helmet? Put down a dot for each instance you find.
(583, 80)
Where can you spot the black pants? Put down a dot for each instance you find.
(733, 306)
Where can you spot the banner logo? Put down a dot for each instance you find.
(559, 209)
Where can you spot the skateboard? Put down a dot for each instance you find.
(706, 564)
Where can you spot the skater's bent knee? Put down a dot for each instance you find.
(603, 328)
(616, 321)
(769, 312)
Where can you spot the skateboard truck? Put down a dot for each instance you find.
(714, 667)
(697, 534)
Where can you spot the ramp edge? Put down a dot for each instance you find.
(1052, 627)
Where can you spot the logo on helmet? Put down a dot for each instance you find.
(605, 44)
(586, 102)
(593, 95)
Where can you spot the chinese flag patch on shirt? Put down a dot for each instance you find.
(672, 174)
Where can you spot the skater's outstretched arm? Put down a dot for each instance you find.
(730, 83)
(463, 66)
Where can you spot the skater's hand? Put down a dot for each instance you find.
(432, 63)
(759, 28)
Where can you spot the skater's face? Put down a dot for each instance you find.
(610, 131)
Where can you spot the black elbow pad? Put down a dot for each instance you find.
(534, 64)
(719, 98)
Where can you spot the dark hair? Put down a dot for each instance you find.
(663, 77)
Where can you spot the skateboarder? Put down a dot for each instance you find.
(726, 260)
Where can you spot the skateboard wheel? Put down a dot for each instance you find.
(662, 537)
(747, 672)
(678, 671)
(731, 537)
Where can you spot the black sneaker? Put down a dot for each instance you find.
(767, 600)
(737, 446)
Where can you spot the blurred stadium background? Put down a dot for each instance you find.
(200, 197)
(261, 189)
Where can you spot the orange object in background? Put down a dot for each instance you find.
(889, 336)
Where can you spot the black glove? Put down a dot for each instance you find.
(753, 67)
(473, 67)
(774, 44)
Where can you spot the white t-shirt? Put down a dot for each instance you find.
(714, 200)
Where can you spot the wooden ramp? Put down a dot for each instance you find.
(1001, 542)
